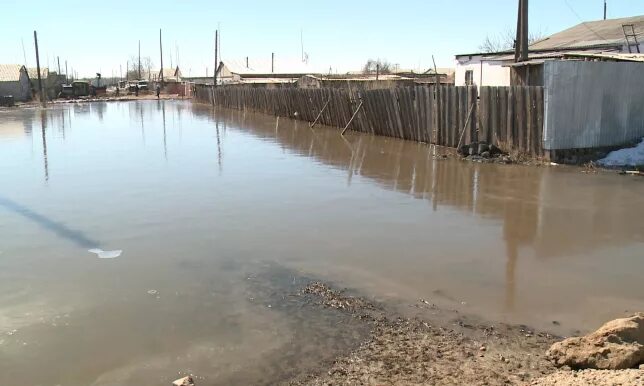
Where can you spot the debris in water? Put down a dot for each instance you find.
(105, 254)
(152, 292)
(185, 381)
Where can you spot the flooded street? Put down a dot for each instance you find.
(217, 212)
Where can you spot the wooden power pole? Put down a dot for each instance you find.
(605, 7)
(139, 59)
(161, 52)
(521, 42)
(42, 94)
(214, 75)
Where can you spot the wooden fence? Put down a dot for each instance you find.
(510, 117)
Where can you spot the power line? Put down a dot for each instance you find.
(583, 22)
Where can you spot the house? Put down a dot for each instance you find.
(358, 81)
(288, 70)
(14, 80)
(602, 37)
(51, 81)
(169, 75)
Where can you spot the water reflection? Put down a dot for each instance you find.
(540, 214)
(534, 204)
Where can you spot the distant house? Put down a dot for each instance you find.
(51, 81)
(268, 71)
(358, 81)
(585, 40)
(14, 80)
(170, 75)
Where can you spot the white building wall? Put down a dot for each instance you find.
(485, 72)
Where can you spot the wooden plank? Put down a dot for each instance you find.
(540, 120)
(454, 130)
(511, 113)
(521, 118)
(429, 113)
(462, 109)
(472, 99)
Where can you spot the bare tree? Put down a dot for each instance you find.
(146, 65)
(381, 66)
(505, 41)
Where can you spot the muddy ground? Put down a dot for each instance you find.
(447, 348)
(416, 351)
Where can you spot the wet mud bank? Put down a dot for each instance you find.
(375, 344)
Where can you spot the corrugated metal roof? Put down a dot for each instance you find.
(10, 72)
(592, 34)
(546, 55)
(624, 57)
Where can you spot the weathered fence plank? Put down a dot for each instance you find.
(510, 117)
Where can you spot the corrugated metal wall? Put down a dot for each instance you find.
(592, 104)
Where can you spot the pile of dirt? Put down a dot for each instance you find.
(618, 344)
(592, 378)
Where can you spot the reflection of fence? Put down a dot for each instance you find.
(509, 117)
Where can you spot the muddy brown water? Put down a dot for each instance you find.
(220, 213)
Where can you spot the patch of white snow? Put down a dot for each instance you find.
(631, 156)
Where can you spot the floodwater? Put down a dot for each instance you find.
(143, 240)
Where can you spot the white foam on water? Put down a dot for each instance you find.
(631, 156)
(105, 254)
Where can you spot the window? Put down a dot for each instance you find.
(469, 77)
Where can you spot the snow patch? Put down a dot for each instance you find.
(631, 156)
(105, 254)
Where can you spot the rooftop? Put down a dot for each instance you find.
(10, 72)
(282, 65)
(599, 34)
(33, 73)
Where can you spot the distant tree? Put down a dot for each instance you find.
(504, 41)
(382, 66)
(146, 63)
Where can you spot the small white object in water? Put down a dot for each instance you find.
(105, 254)
(153, 292)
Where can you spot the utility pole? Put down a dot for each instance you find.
(42, 94)
(605, 6)
(127, 70)
(58, 59)
(302, 43)
(521, 42)
(24, 56)
(66, 77)
(161, 52)
(272, 62)
(214, 75)
(139, 59)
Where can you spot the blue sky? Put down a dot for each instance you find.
(95, 36)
